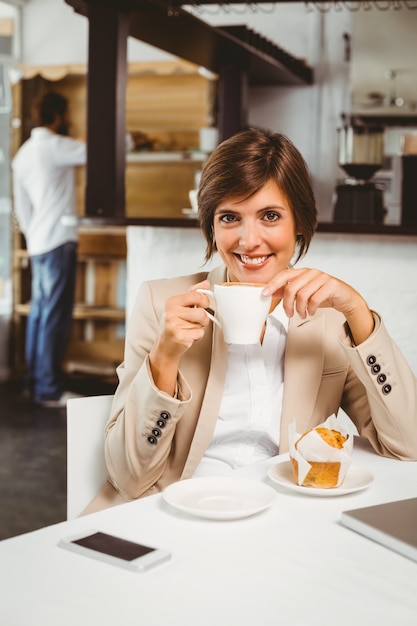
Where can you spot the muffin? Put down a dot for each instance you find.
(321, 456)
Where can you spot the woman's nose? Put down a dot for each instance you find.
(248, 237)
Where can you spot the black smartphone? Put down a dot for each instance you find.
(115, 550)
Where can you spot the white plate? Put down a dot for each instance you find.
(356, 479)
(219, 498)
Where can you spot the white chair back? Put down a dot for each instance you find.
(86, 467)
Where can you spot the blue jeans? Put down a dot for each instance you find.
(49, 322)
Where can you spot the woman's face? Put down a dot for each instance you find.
(255, 237)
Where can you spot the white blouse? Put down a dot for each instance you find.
(247, 429)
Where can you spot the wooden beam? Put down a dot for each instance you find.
(232, 100)
(106, 110)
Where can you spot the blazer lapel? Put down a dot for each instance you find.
(303, 367)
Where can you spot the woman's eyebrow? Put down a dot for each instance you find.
(274, 207)
(224, 209)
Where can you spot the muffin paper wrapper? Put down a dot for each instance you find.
(314, 448)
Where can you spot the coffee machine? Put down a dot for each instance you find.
(360, 155)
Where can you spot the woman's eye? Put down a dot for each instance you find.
(271, 216)
(227, 218)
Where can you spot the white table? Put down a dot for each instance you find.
(291, 565)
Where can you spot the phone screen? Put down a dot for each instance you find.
(113, 546)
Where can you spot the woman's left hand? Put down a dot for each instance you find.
(305, 290)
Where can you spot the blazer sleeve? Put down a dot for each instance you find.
(387, 413)
(142, 425)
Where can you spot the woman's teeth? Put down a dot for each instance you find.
(252, 260)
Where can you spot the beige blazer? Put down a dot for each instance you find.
(323, 371)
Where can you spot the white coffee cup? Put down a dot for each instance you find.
(241, 310)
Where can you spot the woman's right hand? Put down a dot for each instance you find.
(183, 323)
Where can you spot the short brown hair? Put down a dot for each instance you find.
(48, 106)
(241, 165)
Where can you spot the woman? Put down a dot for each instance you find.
(188, 404)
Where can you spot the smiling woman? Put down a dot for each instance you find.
(191, 404)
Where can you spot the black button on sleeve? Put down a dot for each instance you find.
(386, 389)
(381, 379)
(371, 359)
(152, 440)
(375, 369)
(156, 432)
(165, 415)
(161, 423)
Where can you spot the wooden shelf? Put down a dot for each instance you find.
(83, 312)
(366, 229)
(23, 256)
(92, 367)
(97, 334)
(95, 312)
(22, 309)
(384, 119)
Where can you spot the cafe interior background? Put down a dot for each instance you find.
(363, 57)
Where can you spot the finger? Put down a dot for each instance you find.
(289, 291)
(298, 291)
(309, 297)
(322, 290)
(276, 285)
(205, 284)
(197, 316)
(190, 299)
(333, 293)
(179, 335)
(188, 334)
(186, 318)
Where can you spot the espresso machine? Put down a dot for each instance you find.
(360, 155)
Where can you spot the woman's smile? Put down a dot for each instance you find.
(257, 260)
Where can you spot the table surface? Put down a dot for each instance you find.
(291, 565)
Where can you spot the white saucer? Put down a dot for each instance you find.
(356, 479)
(219, 498)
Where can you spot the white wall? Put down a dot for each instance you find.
(54, 34)
(383, 269)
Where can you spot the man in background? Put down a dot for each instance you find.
(44, 202)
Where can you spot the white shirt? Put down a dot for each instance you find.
(247, 429)
(44, 188)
